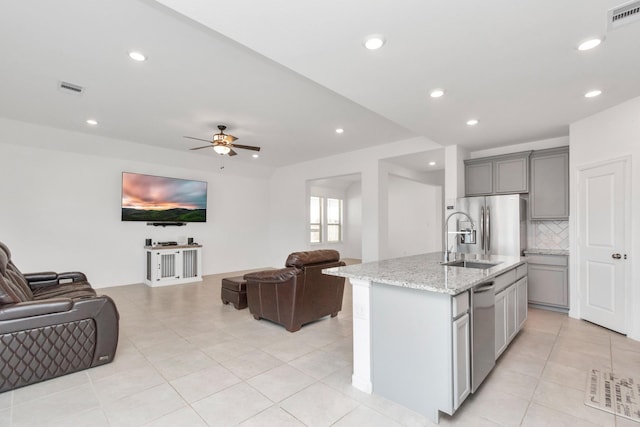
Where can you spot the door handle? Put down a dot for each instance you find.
(482, 229)
(616, 256)
(488, 230)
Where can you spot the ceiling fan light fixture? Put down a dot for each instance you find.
(222, 143)
(221, 149)
(223, 138)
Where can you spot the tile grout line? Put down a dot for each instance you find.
(615, 414)
(539, 379)
(11, 408)
(101, 406)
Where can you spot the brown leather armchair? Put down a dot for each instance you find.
(299, 293)
(51, 325)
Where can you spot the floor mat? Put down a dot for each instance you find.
(613, 393)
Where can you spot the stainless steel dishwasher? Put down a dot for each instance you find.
(483, 323)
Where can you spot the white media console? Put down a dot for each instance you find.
(173, 265)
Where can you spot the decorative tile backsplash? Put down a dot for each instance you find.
(548, 235)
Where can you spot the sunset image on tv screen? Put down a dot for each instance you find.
(162, 199)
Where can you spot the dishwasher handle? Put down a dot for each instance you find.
(484, 288)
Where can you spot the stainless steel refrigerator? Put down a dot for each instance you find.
(499, 225)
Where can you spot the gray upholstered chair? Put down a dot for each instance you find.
(50, 325)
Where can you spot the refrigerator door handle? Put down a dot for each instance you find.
(488, 230)
(482, 229)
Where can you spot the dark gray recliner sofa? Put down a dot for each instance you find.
(51, 325)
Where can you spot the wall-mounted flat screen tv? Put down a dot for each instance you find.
(162, 199)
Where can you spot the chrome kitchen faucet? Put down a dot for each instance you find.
(445, 233)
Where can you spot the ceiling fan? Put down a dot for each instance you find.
(223, 143)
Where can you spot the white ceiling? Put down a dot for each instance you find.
(285, 74)
(341, 183)
(421, 161)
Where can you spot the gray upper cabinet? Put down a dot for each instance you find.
(497, 175)
(512, 173)
(549, 196)
(478, 177)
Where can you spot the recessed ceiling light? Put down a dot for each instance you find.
(339, 130)
(437, 93)
(589, 44)
(592, 94)
(432, 163)
(472, 122)
(92, 122)
(374, 42)
(255, 156)
(137, 56)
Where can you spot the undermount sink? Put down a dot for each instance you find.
(470, 264)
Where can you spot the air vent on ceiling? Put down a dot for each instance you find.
(622, 15)
(70, 88)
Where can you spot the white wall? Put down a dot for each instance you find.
(288, 227)
(611, 134)
(454, 156)
(353, 222)
(415, 217)
(542, 144)
(61, 203)
(61, 210)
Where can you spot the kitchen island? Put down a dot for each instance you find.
(413, 319)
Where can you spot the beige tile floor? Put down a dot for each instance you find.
(184, 359)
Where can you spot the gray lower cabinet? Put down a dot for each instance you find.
(510, 306)
(501, 323)
(548, 280)
(461, 359)
(507, 325)
(549, 195)
(521, 301)
(511, 313)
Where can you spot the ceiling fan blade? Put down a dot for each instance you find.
(198, 139)
(232, 153)
(199, 148)
(247, 147)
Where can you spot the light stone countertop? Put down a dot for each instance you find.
(536, 251)
(425, 272)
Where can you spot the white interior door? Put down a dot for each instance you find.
(602, 220)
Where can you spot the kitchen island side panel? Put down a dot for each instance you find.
(411, 346)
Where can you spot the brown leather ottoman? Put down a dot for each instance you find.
(234, 291)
